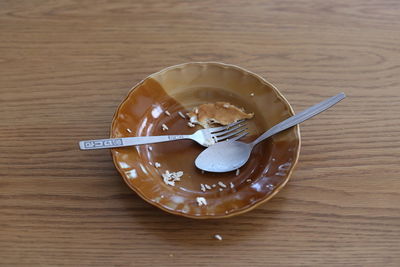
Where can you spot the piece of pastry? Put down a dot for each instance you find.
(222, 113)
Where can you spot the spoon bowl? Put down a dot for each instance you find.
(231, 155)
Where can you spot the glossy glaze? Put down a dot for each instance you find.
(179, 88)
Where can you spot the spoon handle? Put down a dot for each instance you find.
(300, 117)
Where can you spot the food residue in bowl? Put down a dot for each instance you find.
(221, 184)
(182, 115)
(201, 201)
(202, 188)
(170, 178)
(164, 127)
(222, 113)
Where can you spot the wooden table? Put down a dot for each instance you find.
(66, 65)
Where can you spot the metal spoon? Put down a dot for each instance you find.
(230, 155)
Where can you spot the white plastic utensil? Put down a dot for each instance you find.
(230, 155)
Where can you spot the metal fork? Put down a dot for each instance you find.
(205, 137)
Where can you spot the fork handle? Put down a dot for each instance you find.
(128, 141)
(300, 117)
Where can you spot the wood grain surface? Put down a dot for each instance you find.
(66, 65)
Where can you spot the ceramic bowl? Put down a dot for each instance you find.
(180, 88)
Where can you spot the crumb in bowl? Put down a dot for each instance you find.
(201, 201)
(182, 115)
(170, 178)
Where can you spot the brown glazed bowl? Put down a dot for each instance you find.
(180, 88)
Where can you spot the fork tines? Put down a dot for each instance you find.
(233, 131)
